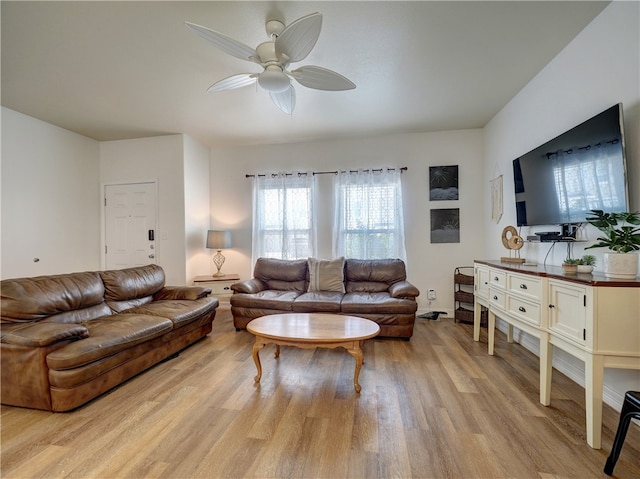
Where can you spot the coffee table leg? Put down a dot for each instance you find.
(356, 352)
(257, 346)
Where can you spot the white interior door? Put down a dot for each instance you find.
(130, 225)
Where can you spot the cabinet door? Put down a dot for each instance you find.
(481, 285)
(568, 310)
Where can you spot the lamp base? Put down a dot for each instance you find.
(218, 260)
(218, 275)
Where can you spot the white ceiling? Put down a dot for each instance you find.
(120, 70)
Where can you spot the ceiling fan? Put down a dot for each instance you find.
(287, 45)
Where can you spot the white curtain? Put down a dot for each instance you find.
(368, 222)
(284, 216)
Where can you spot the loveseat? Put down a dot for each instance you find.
(374, 289)
(66, 339)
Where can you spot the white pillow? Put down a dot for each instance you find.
(326, 274)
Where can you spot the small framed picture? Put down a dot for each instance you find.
(445, 225)
(443, 183)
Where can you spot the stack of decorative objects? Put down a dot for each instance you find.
(513, 242)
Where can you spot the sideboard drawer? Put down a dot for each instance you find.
(524, 310)
(497, 298)
(525, 286)
(498, 279)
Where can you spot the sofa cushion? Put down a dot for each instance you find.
(107, 336)
(178, 311)
(376, 303)
(373, 275)
(326, 274)
(283, 275)
(182, 292)
(79, 316)
(130, 284)
(33, 299)
(318, 301)
(269, 299)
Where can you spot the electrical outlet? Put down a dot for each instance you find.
(431, 294)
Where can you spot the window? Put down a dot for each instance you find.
(283, 216)
(368, 216)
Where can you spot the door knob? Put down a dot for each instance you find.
(152, 256)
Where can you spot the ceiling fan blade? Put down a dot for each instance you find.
(285, 100)
(299, 38)
(225, 43)
(233, 82)
(322, 79)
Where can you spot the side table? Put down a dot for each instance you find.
(220, 285)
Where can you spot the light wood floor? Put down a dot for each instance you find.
(435, 407)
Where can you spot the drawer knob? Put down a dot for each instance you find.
(495, 278)
(522, 309)
(523, 286)
(495, 298)
(552, 305)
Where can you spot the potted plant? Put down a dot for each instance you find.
(570, 266)
(586, 263)
(622, 237)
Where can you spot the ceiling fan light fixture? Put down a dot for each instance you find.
(273, 79)
(287, 44)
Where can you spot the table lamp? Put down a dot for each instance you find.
(218, 240)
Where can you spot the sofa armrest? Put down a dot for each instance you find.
(250, 286)
(37, 335)
(403, 289)
(181, 292)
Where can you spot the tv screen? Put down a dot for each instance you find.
(583, 169)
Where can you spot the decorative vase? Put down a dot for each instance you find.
(569, 268)
(620, 265)
(585, 268)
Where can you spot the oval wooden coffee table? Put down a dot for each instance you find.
(312, 330)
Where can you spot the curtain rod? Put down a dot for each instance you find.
(304, 173)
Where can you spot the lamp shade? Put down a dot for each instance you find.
(219, 239)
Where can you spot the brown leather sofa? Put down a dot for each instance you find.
(374, 289)
(66, 339)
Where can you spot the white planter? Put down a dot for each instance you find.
(620, 265)
(585, 268)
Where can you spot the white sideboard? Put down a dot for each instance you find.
(593, 318)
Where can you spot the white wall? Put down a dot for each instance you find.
(196, 208)
(599, 68)
(428, 265)
(50, 199)
(157, 159)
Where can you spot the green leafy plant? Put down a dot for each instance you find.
(621, 231)
(571, 261)
(587, 260)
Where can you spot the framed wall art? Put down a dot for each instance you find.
(445, 225)
(443, 183)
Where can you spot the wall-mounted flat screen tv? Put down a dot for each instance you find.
(583, 169)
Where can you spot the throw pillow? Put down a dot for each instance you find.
(326, 275)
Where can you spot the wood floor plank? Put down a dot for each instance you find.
(434, 407)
